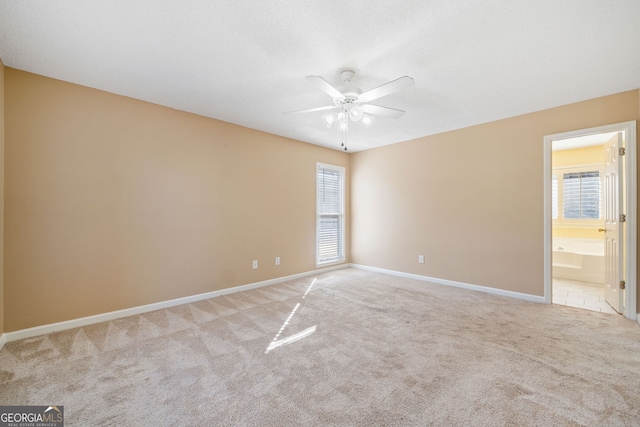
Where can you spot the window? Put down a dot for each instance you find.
(576, 195)
(581, 195)
(329, 214)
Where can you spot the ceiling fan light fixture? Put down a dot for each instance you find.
(329, 119)
(356, 114)
(353, 104)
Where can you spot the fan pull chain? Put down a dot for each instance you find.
(345, 124)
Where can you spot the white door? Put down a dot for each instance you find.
(612, 228)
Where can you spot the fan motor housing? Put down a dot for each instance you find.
(347, 75)
(349, 98)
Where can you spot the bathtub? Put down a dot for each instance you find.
(578, 259)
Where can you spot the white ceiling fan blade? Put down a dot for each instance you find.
(376, 110)
(311, 110)
(324, 86)
(386, 89)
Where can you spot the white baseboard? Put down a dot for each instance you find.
(495, 291)
(104, 317)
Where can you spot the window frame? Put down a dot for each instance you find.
(340, 215)
(576, 222)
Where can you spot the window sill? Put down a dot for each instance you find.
(330, 263)
(578, 225)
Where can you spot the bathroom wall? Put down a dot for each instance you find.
(577, 157)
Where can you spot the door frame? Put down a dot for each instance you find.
(630, 194)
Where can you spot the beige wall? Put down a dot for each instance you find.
(470, 200)
(113, 202)
(1, 197)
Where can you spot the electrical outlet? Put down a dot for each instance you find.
(277, 260)
(255, 264)
(421, 259)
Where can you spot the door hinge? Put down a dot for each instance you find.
(623, 217)
(622, 151)
(622, 284)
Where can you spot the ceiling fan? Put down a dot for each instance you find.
(352, 104)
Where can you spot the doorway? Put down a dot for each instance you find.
(590, 216)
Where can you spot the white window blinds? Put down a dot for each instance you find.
(330, 214)
(581, 195)
(576, 195)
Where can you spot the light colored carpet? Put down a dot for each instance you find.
(349, 347)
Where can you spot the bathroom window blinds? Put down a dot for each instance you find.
(576, 196)
(581, 195)
(330, 214)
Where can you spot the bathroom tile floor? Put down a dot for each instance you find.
(589, 296)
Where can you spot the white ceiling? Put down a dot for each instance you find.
(245, 61)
